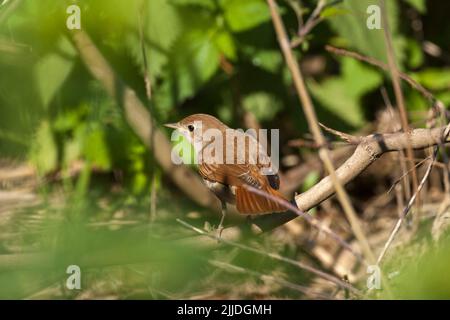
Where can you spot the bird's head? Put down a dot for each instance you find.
(194, 127)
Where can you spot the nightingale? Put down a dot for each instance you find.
(227, 160)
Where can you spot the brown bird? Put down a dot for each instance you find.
(228, 160)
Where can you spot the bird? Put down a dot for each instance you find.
(226, 172)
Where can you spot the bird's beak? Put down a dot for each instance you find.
(172, 125)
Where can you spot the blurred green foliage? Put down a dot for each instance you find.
(54, 113)
(421, 272)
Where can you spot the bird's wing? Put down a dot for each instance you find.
(237, 175)
(233, 174)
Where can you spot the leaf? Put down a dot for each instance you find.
(43, 151)
(243, 15)
(352, 27)
(419, 5)
(262, 104)
(341, 95)
(194, 60)
(52, 70)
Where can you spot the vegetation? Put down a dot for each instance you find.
(81, 182)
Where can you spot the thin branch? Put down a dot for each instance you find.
(138, 117)
(407, 208)
(372, 61)
(344, 136)
(314, 127)
(148, 92)
(275, 256)
(313, 221)
(368, 151)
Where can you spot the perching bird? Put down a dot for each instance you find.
(226, 176)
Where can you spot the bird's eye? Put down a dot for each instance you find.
(190, 127)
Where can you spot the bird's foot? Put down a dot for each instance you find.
(213, 231)
(219, 232)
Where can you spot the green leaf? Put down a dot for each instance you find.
(194, 61)
(95, 149)
(434, 79)
(341, 95)
(52, 70)
(329, 12)
(419, 5)
(269, 60)
(352, 27)
(226, 45)
(262, 104)
(243, 15)
(209, 4)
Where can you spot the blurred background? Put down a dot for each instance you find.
(82, 183)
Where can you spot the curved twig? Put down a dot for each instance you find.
(367, 152)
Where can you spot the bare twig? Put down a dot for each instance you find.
(394, 70)
(148, 92)
(313, 20)
(401, 153)
(275, 256)
(313, 221)
(138, 118)
(418, 164)
(367, 152)
(314, 127)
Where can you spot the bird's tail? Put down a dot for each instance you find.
(266, 201)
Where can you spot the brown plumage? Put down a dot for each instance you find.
(226, 179)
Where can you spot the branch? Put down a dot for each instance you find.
(148, 92)
(265, 277)
(367, 152)
(344, 136)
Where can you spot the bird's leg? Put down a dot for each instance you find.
(224, 213)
